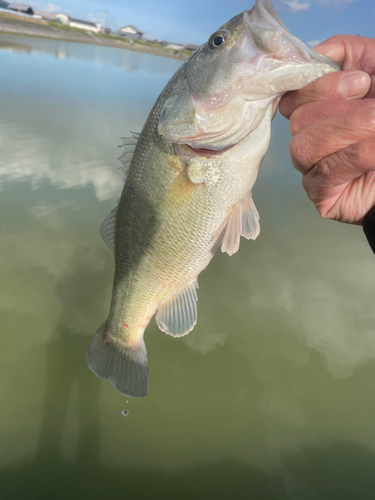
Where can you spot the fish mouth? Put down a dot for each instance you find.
(208, 152)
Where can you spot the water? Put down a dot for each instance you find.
(270, 396)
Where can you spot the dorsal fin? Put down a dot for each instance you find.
(128, 145)
(107, 230)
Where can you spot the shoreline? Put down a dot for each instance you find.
(10, 25)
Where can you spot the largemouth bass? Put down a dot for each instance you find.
(188, 189)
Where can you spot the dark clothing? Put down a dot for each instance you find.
(369, 227)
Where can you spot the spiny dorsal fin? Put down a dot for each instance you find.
(107, 231)
(178, 315)
(128, 145)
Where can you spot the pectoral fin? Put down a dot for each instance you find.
(250, 219)
(242, 220)
(178, 316)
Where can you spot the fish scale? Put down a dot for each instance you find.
(188, 190)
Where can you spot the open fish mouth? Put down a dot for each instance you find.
(208, 152)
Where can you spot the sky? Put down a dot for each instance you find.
(194, 21)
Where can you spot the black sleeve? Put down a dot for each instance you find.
(369, 227)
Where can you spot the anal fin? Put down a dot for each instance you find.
(242, 220)
(178, 315)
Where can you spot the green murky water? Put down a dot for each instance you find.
(272, 394)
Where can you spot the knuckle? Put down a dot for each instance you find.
(354, 155)
(364, 153)
(321, 172)
(314, 194)
(300, 151)
(309, 188)
(295, 121)
(324, 213)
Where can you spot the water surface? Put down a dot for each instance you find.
(269, 397)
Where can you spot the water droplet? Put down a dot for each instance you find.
(125, 413)
(127, 401)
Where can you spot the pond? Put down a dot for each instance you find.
(271, 396)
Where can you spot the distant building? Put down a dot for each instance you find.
(130, 32)
(178, 46)
(191, 47)
(44, 14)
(3, 5)
(84, 25)
(174, 46)
(62, 18)
(77, 23)
(106, 31)
(21, 7)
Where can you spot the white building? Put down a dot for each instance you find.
(78, 23)
(130, 32)
(175, 46)
(44, 14)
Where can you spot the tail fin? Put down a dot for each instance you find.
(126, 369)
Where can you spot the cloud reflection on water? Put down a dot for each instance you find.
(325, 302)
(31, 161)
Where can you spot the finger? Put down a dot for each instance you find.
(313, 112)
(340, 176)
(326, 137)
(334, 86)
(353, 52)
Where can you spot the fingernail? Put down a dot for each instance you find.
(355, 84)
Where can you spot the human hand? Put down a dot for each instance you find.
(332, 122)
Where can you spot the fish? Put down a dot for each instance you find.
(189, 180)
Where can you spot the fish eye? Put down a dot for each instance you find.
(217, 39)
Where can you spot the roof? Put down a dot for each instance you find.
(132, 27)
(19, 6)
(87, 23)
(44, 13)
